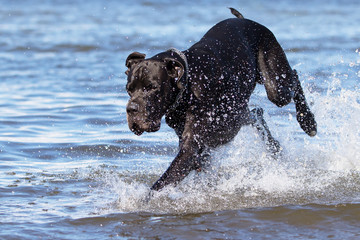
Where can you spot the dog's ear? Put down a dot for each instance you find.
(133, 58)
(175, 70)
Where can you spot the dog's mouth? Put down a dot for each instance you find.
(137, 131)
(146, 127)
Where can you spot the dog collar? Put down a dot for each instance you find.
(184, 79)
(183, 57)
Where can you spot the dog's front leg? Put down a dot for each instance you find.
(190, 157)
(185, 161)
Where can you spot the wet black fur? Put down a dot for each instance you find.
(207, 103)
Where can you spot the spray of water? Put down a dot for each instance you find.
(322, 170)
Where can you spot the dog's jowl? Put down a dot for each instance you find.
(204, 91)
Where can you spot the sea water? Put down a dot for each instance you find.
(71, 169)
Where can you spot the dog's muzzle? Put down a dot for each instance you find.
(138, 121)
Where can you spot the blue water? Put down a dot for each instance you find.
(71, 169)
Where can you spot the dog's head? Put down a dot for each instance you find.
(151, 85)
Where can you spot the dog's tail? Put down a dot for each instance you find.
(236, 13)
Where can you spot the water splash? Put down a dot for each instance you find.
(324, 169)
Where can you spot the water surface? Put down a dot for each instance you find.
(70, 168)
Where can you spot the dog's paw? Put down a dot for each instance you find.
(148, 197)
(306, 119)
(273, 146)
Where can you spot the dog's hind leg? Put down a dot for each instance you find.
(304, 116)
(281, 82)
(274, 70)
(258, 121)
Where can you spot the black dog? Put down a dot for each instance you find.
(204, 91)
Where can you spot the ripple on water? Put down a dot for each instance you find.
(71, 167)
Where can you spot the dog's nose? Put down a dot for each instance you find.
(132, 107)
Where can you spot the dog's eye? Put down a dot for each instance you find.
(150, 87)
